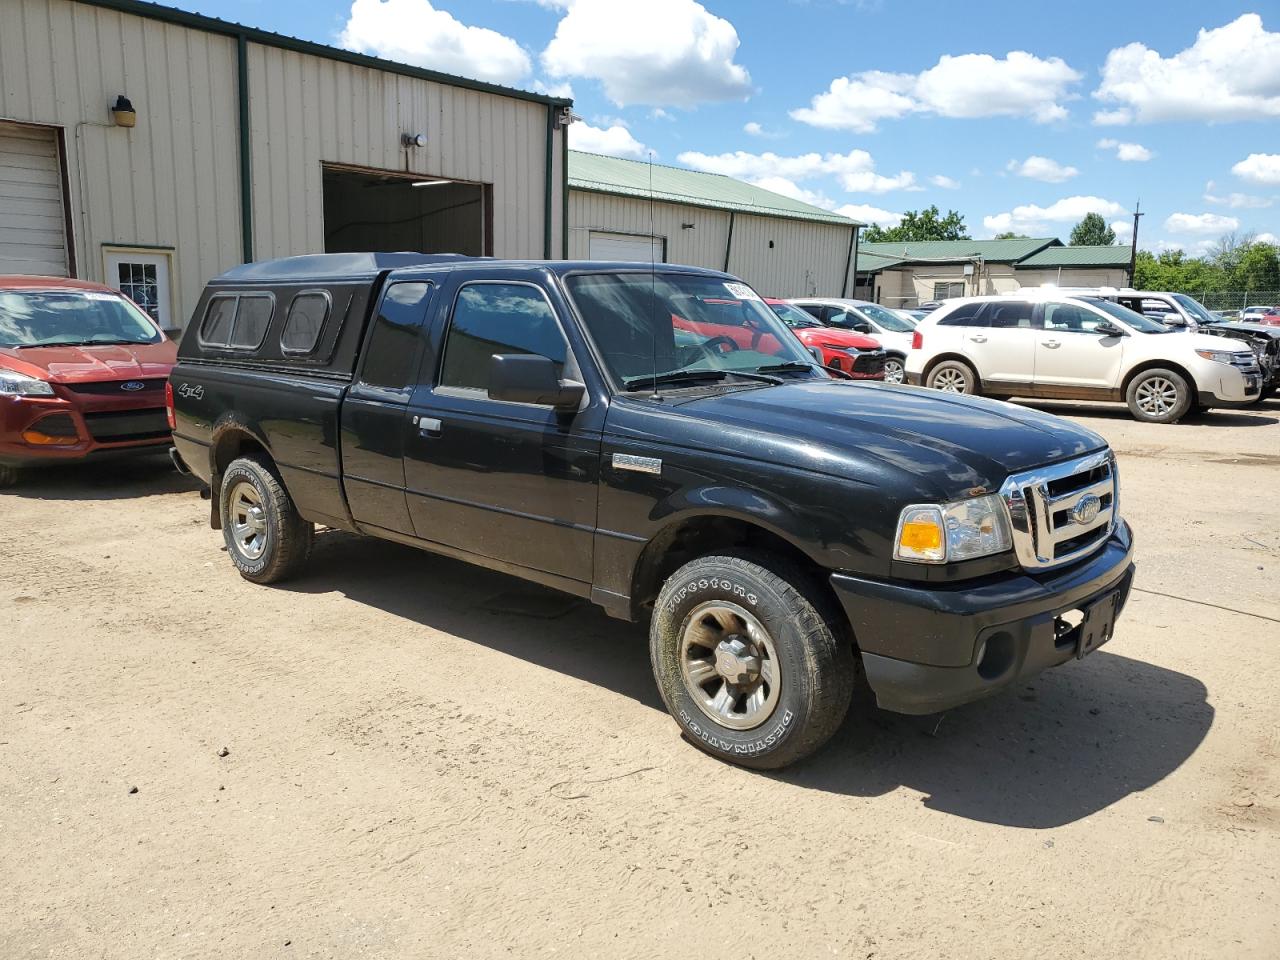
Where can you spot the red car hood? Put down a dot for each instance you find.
(87, 364)
(833, 337)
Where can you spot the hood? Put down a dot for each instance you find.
(1208, 341)
(65, 364)
(891, 340)
(835, 337)
(946, 443)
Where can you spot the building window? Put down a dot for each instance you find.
(943, 291)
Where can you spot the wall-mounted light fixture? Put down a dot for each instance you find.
(123, 113)
(408, 140)
(566, 117)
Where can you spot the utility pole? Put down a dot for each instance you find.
(1133, 243)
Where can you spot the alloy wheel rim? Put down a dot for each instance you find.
(248, 520)
(1157, 396)
(950, 381)
(892, 371)
(729, 665)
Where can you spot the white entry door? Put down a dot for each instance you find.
(143, 277)
(623, 246)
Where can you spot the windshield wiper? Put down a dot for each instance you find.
(692, 376)
(79, 343)
(785, 367)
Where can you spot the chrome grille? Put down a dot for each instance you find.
(1062, 512)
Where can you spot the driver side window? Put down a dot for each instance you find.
(498, 318)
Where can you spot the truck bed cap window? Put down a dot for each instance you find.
(307, 314)
(237, 321)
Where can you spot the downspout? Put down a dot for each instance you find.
(246, 157)
(564, 193)
(546, 210)
(851, 258)
(728, 243)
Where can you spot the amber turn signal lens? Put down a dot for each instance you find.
(921, 536)
(38, 439)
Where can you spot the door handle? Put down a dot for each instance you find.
(428, 426)
(978, 338)
(1053, 344)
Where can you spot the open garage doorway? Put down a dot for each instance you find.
(387, 211)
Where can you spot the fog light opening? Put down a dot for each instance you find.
(995, 656)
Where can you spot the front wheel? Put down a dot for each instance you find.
(953, 376)
(8, 476)
(894, 371)
(749, 661)
(266, 538)
(1159, 396)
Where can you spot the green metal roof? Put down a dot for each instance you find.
(631, 178)
(1111, 256)
(874, 262)
(992, 251)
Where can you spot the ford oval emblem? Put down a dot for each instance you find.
(1086, 509)
(133, 386)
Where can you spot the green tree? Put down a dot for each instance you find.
(927, 224)
(1258, 268)
(1010, 235)
(1092, 231)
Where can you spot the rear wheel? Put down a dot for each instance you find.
(953, 376)
(266, 538)
(1159, 396)
(894, 372)
(749, 660)
(8, 476)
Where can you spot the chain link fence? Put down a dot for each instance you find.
(1231, 301)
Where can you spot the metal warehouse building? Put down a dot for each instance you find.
(230, 144)
(631, 210)
(902, 274)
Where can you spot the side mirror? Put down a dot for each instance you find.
(861, 326)
(816, 352)
(1173, 320)
(1108, 329)
(530, 378)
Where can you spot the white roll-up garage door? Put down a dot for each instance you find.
(622, 246)
(33, 231)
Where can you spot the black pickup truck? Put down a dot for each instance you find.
(656, 440)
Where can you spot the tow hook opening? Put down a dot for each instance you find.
(995, 656)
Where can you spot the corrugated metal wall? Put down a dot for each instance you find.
(806, 259)
(173, 181)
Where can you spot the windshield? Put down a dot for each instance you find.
(884, 318)
(48, 318)
(1196, 309)
(645, 324)
(1130, 318)
(793, 316)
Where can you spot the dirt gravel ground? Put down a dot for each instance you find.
(427, 760)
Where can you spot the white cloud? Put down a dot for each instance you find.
(1123, 229)
(1113, 118)
(657, 113)
(413, 31)
(562, 90)
(868, 214)
(1128, 152)
(946, 183)
(614, 141)
(969, 85)
(1042, 168)
(1261, 168)
(855, 170)
(1270, 238)
(754, 129)
(1032, 219)
(789, 188)
(1229, 73)
(656, 52)
(1238, 201)
(1200, 223)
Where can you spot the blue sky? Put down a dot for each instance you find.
(1021, 115)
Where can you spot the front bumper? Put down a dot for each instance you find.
(1233, 386)
(930, 647)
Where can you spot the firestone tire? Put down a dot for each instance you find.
(8, 476)
(761, 620)
(266, 538)
(954, 376)
(1159, 396)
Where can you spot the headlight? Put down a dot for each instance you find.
(1218, 356)
(14, 384)
(945, 533)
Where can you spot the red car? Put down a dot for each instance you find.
(852, 353)
(82, 374)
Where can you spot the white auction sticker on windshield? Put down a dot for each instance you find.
(95, 295)
(742, 291)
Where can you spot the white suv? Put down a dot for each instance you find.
(861, 316)
(1079, 348)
